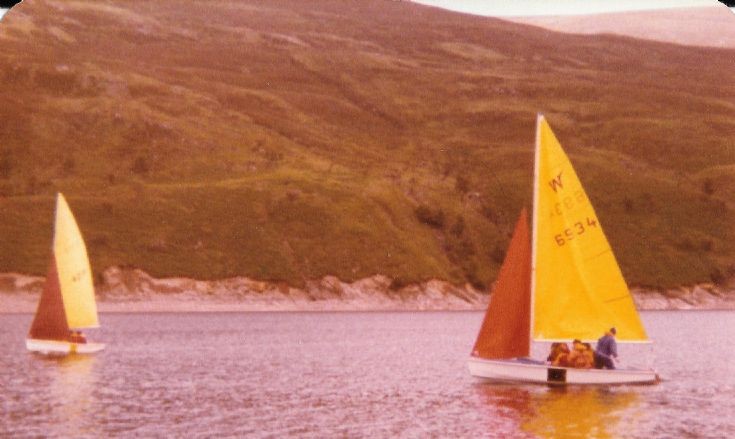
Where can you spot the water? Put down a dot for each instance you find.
(346, 375)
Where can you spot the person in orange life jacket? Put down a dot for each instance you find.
(589, 355)
(558, 355)
(578, 358)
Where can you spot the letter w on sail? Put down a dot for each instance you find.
(556, 182)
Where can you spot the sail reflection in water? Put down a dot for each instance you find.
(73, 383)
(561, 411)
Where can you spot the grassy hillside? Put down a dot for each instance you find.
(288, 140)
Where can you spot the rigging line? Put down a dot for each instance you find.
(608, 250)
(615, 299)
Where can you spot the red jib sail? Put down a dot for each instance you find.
(50, 321)
(505, 331)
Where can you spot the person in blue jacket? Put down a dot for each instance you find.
(606, 351)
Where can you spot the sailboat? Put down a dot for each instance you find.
(67, 303)
(561, 284)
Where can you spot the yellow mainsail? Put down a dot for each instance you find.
(578, 290)
(75, 275)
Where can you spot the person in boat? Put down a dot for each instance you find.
(553, 353)
(579, 358)
(559, 354)
(589, 355)
(575, 353)
(607, 350)
(77, 337)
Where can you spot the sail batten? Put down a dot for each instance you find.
(578, 288)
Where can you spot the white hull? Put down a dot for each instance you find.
(54, 347)
(515, 371)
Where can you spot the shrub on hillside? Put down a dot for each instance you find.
(497, 254)
(6, 164)
(686, 244)
(32, 185)
(475, 280)
(433, 217)
(489, 212)
(717, 276)
(107, 207)
(462, 184)
(628, 205)
(398, 283)
(69, 166)
(458, 227)
(708, 187)
(140, 166)
(707, 245)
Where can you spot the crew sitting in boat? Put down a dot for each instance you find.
(77, 337)
(589, 354)
(607, 350)
(558, 355)
(579, 357)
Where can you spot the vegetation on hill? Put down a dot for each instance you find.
(289, 140)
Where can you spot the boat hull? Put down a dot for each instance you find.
(515, 371)
(57, 347)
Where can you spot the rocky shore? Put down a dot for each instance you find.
(132, 290)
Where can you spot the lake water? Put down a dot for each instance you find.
(347, 375)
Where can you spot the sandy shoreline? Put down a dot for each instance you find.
(134, 291)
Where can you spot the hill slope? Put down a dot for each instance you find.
(287, 140)
(712, 26)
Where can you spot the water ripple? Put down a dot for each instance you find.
(317, 375)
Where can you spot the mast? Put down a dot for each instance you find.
(534, 220)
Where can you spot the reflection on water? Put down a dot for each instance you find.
(560, 411)
(46, 396)
(506, 405)
(72, 382)
(580, 411)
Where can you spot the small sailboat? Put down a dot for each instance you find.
(67, 303)
(562, 284)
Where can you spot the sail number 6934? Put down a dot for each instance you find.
(576, 230)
